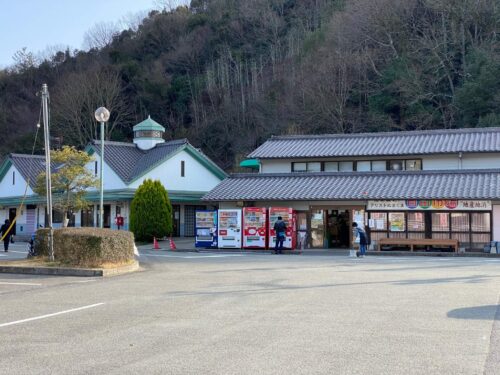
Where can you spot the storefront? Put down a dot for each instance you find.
(468, 221)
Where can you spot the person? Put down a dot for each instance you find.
(362, 240)
(280, 229)
(6, 232)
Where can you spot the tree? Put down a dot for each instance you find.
(151, 212)
(70, 180)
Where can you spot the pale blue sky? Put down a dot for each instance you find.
(36, 24)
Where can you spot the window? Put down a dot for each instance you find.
(396, 165)
(148, 134)
(13, 177)
(440, 222)
(379, 165)
(416, 222)
(95, 168)
(480, 222)
(363, 166)
(331, 166)
(57, 216)
(314, 166)
(413, 165)
(346, 166)
(459, 222)
(182, 168)
(299, 167)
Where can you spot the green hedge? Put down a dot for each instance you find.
(87, 247)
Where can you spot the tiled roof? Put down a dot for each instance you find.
(381, 144)
(464, 184)
(129, 162)
(30, 166)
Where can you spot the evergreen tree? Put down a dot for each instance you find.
(151, 212)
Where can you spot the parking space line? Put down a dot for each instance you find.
(11, 283)
(51, 315)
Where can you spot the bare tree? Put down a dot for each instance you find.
(79, 95)
(100, 35)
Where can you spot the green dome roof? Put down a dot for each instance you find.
(148, 124)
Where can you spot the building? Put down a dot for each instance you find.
(184, 170)
(420, 184)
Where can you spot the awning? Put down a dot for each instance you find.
(250, 163)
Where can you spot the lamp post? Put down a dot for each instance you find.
(102, 115)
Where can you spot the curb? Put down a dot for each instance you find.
(67, 271)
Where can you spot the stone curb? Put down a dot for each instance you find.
(67, 271)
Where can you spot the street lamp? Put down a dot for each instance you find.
(102, 115)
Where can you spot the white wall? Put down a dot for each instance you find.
(276, 166)
(197, 177)
(111, 179)
(7, 189)
(481, 161)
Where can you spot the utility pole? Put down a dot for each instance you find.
(48, 176)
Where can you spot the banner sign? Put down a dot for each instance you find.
(430, 204)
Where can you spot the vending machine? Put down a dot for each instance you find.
(289, 217)
(230, 228)
(206, 228)
(254, 227)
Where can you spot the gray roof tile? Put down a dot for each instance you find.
(381, 144)
(470, 184)
(129, 162)
(30, 166)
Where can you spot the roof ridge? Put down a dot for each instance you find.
(372, 173)
(385, 134)
(116, 143)
(13, 154)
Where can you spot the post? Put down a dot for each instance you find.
(48, 172)
(101, 208)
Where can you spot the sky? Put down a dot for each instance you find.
(37, 24)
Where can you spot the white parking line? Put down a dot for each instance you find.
(51, 315)
(86, 281)
(9, 283)
(194, 256)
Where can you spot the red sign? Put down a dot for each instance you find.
(223, 232)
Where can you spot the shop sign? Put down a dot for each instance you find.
(430, 204)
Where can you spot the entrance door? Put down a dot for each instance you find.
(318, 228)
(176, 220)
(87, 217)
(339, 227)
(107, 216)
(12, 216)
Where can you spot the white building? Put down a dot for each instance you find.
(439, 184)
(185, 171)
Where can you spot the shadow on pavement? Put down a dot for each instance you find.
(487, 312)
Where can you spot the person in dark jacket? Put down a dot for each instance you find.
(362, 240)
(280, 229)
(6, 233)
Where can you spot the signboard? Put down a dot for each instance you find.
(429, 204)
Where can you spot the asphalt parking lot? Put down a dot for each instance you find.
(233, 313)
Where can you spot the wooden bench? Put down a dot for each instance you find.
(417, 242)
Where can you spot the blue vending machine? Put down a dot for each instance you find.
(206, 229)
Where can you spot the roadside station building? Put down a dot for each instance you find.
(184, 170)
(442, 184)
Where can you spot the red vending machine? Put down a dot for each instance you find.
(289, 217)
(254, 227)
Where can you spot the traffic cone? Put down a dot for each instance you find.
(172, 244)
(156, 246)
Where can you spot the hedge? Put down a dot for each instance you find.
(87, 247)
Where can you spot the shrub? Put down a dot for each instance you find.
(87, 247)
(151, 212)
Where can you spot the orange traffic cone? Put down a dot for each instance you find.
(172, 244)
(156, 246)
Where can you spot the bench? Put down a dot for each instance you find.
(417, 242)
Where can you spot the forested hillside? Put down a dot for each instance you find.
(227, 74)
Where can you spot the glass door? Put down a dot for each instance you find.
(318, 228)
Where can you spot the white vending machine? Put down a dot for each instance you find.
(230, 229)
